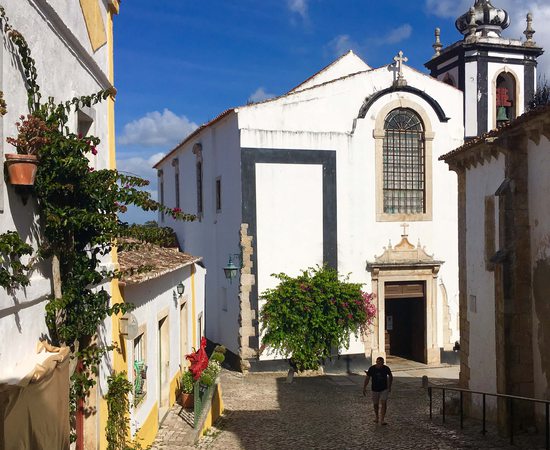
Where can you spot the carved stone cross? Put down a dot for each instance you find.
(400, 59)
(405, 226)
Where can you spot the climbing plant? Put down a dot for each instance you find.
(309, 316)
(13, 272)
(79, 225)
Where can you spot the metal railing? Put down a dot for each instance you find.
(484, 395)
(202, 395)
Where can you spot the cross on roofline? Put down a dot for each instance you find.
(400, 59)
(405, 226)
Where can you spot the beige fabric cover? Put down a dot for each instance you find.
(34, 413)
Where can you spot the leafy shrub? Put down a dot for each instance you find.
(217, 356)
(187, 382)
(308, 316)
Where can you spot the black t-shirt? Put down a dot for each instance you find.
(379, 377)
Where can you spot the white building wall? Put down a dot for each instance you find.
(154, 300)
(471, 98)
(216, 235)
(481, 181)
(64, 71)
(539, 220)
(328, 114)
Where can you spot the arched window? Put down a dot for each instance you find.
(505, 98)
(404, 171)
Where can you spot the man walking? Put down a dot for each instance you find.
(381, 386)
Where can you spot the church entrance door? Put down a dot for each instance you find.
(405, 320)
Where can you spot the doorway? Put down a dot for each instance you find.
(405, 320)
(163, 367)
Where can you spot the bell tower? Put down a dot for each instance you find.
(497, 75)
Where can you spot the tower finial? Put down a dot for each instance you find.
(490, 21)
(529, 32)
(437, 44)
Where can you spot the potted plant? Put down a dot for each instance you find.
(32, 136)
(185, 397)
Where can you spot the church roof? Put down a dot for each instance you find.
(347, 64)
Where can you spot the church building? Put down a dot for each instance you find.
(344, 170)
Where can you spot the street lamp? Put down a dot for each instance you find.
(231, 270)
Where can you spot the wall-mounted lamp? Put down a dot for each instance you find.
(181, 288)
(231, 270)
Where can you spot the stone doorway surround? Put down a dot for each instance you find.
(405, 263)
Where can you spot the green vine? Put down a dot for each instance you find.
(117, 428)
(13, 273)
(78, 207)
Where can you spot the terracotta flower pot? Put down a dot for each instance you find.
(186, 400)
(21, 168)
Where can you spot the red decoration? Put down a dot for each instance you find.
(502, 97)
(199, 360)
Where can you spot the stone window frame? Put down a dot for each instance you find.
(516, 106)
(160, 174)
(176, 166)
(199, 178)
(142, 333)
(379, 133)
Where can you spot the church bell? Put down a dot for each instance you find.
(502, 115)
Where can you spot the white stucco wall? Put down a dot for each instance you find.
(471, 98)
(319, 118)
(481, 181)
(154, 300)
(64, 70)
(216, 235)
(539, 220)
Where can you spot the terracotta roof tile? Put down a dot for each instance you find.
(497, 131)
(148, 261)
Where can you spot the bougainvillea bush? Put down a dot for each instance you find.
(308, 316)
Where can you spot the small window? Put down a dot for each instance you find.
(161, 193)
(175, 164)
(140, 369)
(199, 188)
(218, 194)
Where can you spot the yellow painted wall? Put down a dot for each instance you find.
(94, 23)
(173, 388)
(147, 433)
(215, 411)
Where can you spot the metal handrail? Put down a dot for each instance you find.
(484, 395)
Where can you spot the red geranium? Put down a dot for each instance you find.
(199, 360)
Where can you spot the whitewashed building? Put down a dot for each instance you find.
(505, 240)
(72, 45)
(314, 177)
(169, 314)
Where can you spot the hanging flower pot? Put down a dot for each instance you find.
(21, 169)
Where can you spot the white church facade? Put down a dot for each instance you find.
(342, 170)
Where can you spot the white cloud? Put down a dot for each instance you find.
(448, 8)
(259, 95)
(342, 44)
(156, 129)
(399, 34)
(298, 7)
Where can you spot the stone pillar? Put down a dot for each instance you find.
(248, 315)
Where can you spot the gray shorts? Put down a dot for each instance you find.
(380, 396)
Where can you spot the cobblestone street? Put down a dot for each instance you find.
(330, 412)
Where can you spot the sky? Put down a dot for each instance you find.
(179, 63)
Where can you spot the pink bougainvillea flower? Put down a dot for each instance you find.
(94, 150)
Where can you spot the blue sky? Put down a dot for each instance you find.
(178, 63)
